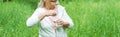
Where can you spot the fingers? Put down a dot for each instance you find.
(51, 13)
(60, 21)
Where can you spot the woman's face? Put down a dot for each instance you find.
(50, 4)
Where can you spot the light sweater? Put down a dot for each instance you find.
(45, 25)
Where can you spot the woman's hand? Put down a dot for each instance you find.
(48, 13)
(63, 23)
(51, 13)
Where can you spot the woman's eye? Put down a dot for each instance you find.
(53, 1)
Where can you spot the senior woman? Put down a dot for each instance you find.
(52, 18)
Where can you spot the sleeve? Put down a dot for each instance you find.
(34, 18)
(66, 18)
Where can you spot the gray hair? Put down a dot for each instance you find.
(40, 4)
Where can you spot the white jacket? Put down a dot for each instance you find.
(45, 29)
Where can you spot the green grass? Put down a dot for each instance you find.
(92, 18)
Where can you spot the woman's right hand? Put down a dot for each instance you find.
(51, 13)
(48, 13)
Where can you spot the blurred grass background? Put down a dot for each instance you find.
(92, 18)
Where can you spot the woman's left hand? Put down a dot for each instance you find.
(59, 21)
(62, 22)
